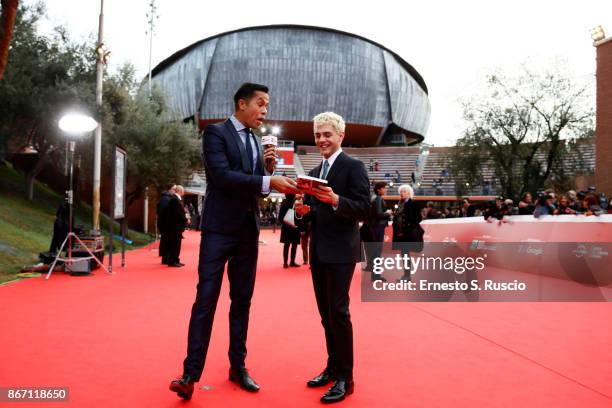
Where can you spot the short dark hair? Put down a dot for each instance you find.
(592, 199)
(247, 91)
(379, 185)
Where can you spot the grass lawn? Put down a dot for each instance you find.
(26, 227)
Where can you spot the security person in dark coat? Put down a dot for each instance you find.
(162, 204)
(176, 220)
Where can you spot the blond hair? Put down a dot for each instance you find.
(332, 119)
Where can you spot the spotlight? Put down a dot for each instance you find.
(77, 123)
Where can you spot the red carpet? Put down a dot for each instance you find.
(116, 341)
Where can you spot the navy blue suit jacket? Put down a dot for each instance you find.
(335, 234)
(232, 190)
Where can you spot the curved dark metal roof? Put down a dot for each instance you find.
(403, 63)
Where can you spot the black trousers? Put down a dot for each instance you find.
(378, 237)
(240, 253)
(173, 247)
(331, 286)
(163, 246)
(286, 251)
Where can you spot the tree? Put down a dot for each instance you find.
(49, 75)
(522, 127)
(7, 23)
(45, 76)
(160, 151)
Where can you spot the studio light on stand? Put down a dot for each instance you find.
(75, 126)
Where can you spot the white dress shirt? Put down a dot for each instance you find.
(243, 132)
(331, 161)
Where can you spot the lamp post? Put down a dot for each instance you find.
(152, 16)
(102, 54)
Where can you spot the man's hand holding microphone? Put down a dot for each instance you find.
(281, 184)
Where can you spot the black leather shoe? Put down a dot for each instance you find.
(293, 264)
(183, 387)
(338, 391)
(241, 377)
(285, 266)
(321, 380)
(176, 265)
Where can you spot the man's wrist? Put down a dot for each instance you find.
(336, 200)
(265, 185)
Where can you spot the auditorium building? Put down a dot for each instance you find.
(308, 70)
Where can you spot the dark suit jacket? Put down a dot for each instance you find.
(378, 216)
(166, 196)
(232, 190)
(335, 234)
(174, 214)
(406, 222)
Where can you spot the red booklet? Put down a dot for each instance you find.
(306, 183)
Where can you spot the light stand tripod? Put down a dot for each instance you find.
(70, 260)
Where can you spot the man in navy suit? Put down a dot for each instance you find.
(238, 173)
(335, 247)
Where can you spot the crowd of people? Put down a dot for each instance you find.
(174, 216)
(406, 216)
(547, 203)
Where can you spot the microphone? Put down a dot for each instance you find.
(268, 141)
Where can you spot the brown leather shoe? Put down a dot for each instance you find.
(183, 387)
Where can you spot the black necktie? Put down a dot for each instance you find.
(249, 149)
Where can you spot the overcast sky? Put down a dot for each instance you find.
(452, 44)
